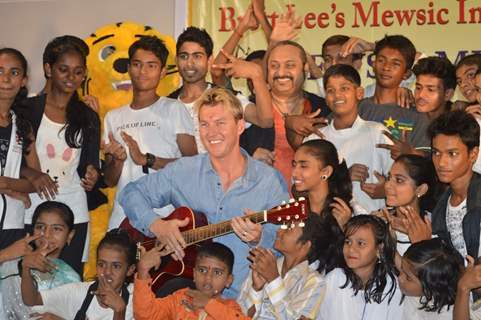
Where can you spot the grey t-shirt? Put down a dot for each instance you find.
(397, 119)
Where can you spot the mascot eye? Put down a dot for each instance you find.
(105, 52)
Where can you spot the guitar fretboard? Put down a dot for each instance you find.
(214, 230)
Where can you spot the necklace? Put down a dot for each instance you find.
(294, 104)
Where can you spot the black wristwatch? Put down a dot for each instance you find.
(150, 160)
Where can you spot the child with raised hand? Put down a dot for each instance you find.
(106, 298)
(212, 273)
(290, 287)
(429, 275)
(365, 285)
(395, 55)
(412, 190)
(319, 173)
(355, 138)
(53, 231)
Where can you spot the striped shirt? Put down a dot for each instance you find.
(299, 293)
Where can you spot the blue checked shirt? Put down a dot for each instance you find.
(192, 182)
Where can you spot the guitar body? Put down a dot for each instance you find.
(198, 231)
(169, 267)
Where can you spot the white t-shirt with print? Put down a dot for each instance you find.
(66, 300)
(357, 144)
(155, 128)
(454, 224)
(59, 161)
(190, 107)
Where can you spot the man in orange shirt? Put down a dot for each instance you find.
(212, 273)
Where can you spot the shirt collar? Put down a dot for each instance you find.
(357, 123)
(298, 271)
(249, 175)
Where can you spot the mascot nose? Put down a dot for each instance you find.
(120, 65)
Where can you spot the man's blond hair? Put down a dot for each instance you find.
(220, 96)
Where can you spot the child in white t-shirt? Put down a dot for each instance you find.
(109, 297)
(356, 140)
(429, 275)
(365, 286)
(149, 132)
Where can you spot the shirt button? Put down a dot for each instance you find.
(221, 208)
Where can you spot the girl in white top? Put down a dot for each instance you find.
(68, 139)
(365, 286)
(107, 298)
(53, 227)
(429, 274)
(15, 142)
(412, 189)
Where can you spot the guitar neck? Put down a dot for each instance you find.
(215, 230)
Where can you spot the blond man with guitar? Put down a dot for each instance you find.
(222, 184)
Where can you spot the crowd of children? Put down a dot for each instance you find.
(390, 171)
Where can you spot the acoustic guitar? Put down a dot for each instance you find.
(198, 230)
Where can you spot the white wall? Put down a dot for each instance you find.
(29, 24)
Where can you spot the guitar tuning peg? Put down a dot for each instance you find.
(279, 219)
(284, 227)
(287, 206)
(292, 200)
(293, 225)
(283, 203)
(301, 199)
(288, 218)
(296, 217)
(296, 204)
(301, 224)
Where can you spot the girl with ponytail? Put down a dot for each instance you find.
(321, 177)
(319, 174)
(412, 190)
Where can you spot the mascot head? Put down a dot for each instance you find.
(108, 79)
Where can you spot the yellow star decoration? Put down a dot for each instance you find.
(390, 122)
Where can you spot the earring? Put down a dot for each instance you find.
(324, 177)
